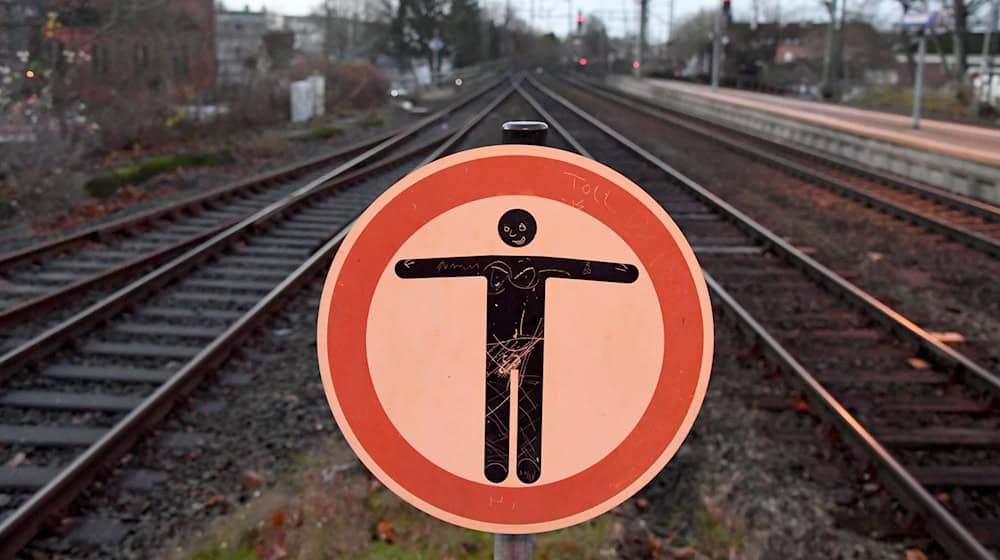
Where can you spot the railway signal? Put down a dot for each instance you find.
(579, 21)
(719, 31)
(515, 339)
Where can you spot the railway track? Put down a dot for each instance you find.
(921, 414)
(966, 220)
(53, 275)
(78, 396)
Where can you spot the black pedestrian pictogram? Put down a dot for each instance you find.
(515, 314)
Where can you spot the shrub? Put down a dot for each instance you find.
(106, 183)
(359, 86)
(371, 120)
(936, 102)
(326, 131)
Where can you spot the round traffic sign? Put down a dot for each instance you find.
(515, 338)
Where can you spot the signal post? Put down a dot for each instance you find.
(721, 21)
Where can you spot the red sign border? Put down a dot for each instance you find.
(428, 192)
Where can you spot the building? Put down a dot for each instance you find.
(98, 52)
(21, 25)
(941, 63)
(309, 32)
(239, 46)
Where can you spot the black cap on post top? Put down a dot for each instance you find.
(525, 132)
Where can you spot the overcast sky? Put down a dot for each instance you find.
(619, 15)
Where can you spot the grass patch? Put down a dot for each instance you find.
(715, 536)
(107, 183)
(326, 131)
(264, 146)
(371, 120)
(887, 97)
(219, 551)
(332, 508)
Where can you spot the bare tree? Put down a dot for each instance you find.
(961, 12)
(691, 36)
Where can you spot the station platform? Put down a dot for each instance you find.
(957, 157)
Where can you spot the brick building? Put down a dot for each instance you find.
(239, 46)
(20, 29)
(103, 49)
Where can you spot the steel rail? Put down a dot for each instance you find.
(943, 355)
(954, 200)
(101, 232)
(941, 524)
(559, 128)
(35, 306)
(971, 238)
(18, 529)
(944, 527)
(121, 271)
(83, 321)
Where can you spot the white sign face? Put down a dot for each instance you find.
(920, 20)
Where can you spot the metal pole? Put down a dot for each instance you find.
(670, 22)
(519, 547)
(831, 6)
(986, 68)
(918, 86)
(643, 24)
(716, 49)
(572, 20)
(513, 547)
(524, 132)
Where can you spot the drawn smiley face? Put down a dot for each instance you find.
(517, 227)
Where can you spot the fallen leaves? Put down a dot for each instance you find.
(122, 199)
(213, 500)
(278, 518)
(17, 459)
(950, 338)
(802, 406)
(684, 552)
(385, 532)
(252, 479)
(917, 363)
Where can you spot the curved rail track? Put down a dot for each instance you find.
(966, 220)
(47, 276)
(923, 415)
(80, 395)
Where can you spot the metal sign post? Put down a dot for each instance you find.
(436, 44)
(922, 21)
(513, 547)
(918, 85)
(519, 547)
(716, 50)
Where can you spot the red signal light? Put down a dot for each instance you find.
(583, 62)
(579, 18)
(635, 64)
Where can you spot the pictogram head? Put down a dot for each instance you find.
(517, 227)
